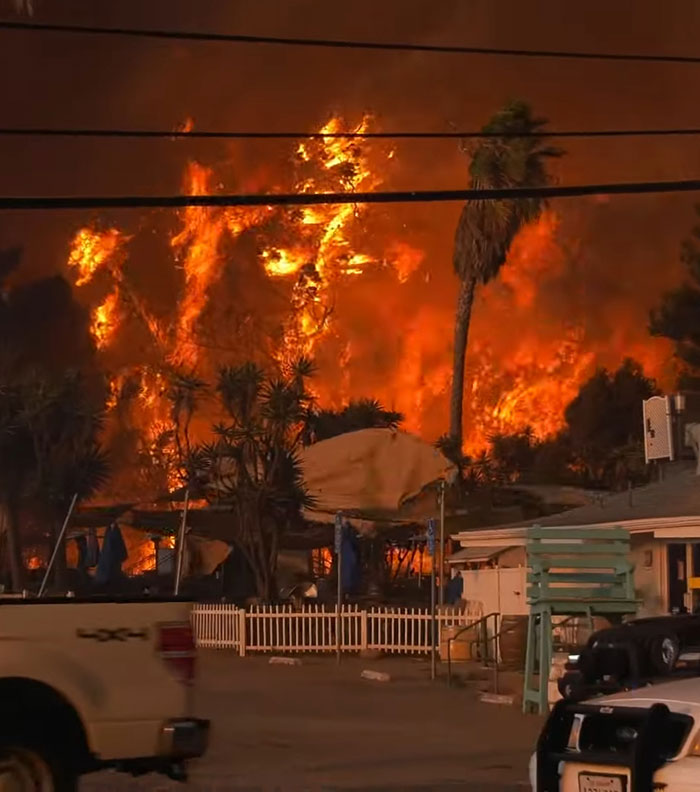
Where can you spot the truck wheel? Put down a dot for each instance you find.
(29, 769)
(663, 653)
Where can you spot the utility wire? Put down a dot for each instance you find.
(182, 35)
(420, 135)
(309, 199)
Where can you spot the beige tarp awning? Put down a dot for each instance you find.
(203, 556)
(371, 475)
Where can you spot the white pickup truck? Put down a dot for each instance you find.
(91, 684)
(643, 740)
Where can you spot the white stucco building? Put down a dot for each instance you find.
(663, 520)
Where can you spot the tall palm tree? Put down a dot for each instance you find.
(486, 229)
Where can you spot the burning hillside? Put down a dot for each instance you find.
(347, 285)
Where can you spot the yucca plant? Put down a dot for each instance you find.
(251, 465)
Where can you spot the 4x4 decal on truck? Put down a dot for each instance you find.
(104, 634)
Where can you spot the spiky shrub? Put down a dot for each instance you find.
(251, 467)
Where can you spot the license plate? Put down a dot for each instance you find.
(589, 782)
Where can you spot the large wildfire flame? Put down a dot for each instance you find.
(522, 371)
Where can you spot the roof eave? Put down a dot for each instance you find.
(517, 535)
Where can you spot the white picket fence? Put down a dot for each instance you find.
(282, 628)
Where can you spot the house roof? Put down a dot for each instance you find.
(673, 501)
(557, 495)
(677, 495)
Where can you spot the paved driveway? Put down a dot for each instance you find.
(319, 726)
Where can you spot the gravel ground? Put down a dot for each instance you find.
(320, 726)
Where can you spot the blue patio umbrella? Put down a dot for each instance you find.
(92, 555)
(109, 567)
(350, 560)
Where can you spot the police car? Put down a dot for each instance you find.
(637, 741)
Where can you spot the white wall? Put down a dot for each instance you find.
(499, 590)
(649, 578)
(504, 590)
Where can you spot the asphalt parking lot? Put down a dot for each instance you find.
(320, 726)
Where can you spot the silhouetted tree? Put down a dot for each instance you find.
(601, 444)
(62, 419)
(514, 454)
(358, 414)
(678, 316)
(605, 418)
(51, 401)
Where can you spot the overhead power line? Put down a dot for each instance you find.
(411, 135)
(234, 38)
(309, 199)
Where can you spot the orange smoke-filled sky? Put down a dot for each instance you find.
(578, 288)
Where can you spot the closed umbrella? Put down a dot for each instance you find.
(109, 567)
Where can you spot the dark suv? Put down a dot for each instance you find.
(630, 654)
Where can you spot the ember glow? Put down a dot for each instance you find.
(105, 319)
(532, 390)
(91, 250)
(324, 251)
(197, 245)
(349, 285)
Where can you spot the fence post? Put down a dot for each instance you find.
(241, 632)
(363, 630)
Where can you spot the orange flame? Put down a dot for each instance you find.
(523, 366)
(323, 254)
(198, 244)
(105, 319)
(91, 250)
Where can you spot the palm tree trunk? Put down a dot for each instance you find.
(463, 315)
(8, 519)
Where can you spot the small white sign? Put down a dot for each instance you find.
(658, 436)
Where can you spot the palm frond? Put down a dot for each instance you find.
(280, 405)
(302, 368)
(486, 230)
(239, 389)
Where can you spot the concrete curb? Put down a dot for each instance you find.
(376, 676)
(495, 698)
